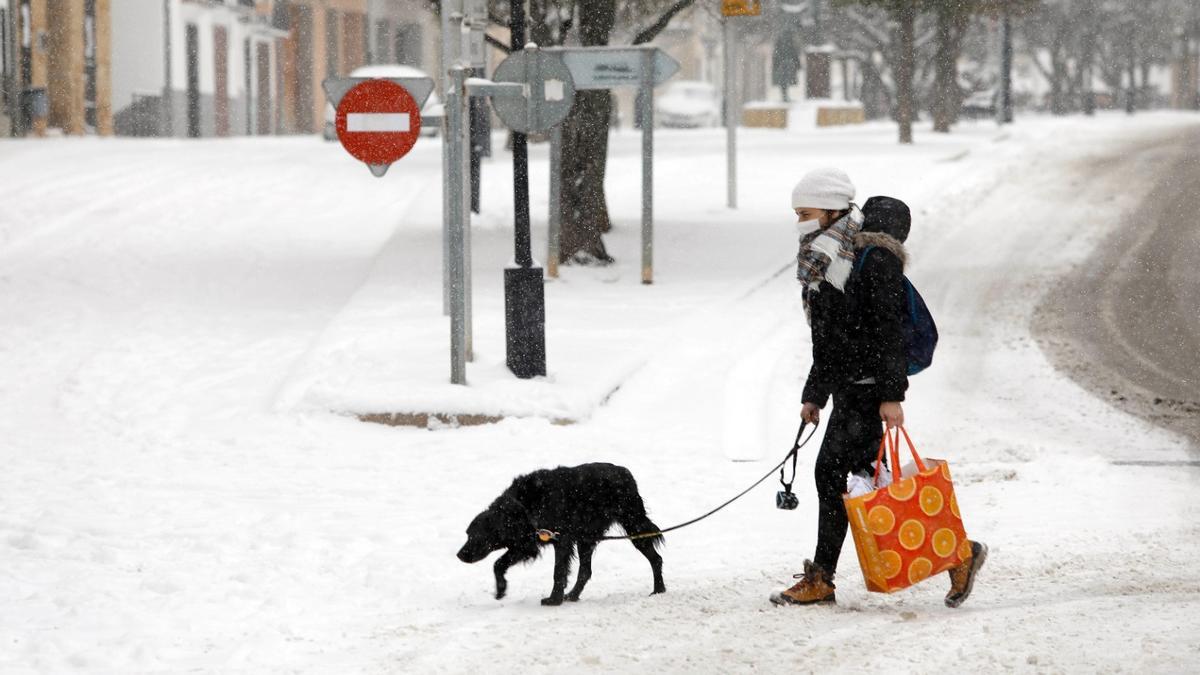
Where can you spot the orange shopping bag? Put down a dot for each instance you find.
(910, 530)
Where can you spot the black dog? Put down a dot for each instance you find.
(580, 503)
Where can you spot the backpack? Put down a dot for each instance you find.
(920, 332)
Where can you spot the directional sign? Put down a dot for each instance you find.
(378, 120)
(741, 7)
(608, 67)
(549, 91)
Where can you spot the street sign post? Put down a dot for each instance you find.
(474, 34)
(606, 68)
(456, 110)
(733, 8)
(731, 113)
(378, 120)
(531, 92)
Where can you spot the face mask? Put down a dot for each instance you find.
(807, 227)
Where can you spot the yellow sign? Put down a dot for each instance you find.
(741, 7)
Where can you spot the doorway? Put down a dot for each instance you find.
(264, 88)
(193, 80)
(221, 72)
(89, 64)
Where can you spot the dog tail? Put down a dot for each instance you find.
(635, 521)
(646, 526)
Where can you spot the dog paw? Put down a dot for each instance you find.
(552, 601)
(659, 590)
(500, 595)
(572, 597)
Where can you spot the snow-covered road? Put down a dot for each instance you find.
(167, 504)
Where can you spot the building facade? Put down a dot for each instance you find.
(329, 38)
(195, 68)
(55, 66)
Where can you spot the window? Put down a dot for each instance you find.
(408, 44)
(331, 42)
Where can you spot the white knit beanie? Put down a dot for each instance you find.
(825, 188)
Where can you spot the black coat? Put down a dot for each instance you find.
(858, 334)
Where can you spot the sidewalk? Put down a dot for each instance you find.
(386, 355)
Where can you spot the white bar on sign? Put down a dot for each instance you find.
(385, 122)
(555, 90)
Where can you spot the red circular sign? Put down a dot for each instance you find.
(378, 122)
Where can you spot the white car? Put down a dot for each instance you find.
(688, 104)
(431, 112)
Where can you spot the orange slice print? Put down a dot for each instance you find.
(912, 535)
(931, 500)
(890, 564)
(964, 550)
(944, 541)
(880, 520)
(903, 490)
(919, 570)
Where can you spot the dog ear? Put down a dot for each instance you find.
(515, 521)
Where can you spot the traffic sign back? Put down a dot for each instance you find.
(549, 91)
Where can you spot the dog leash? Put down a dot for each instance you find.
(549, 535)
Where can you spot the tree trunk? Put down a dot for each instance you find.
(947, 98)
(540, 31)
(1060, 76)
(878, 101)
(1086, 67)
(906, 16)
(584, 208)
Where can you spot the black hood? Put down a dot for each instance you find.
(887, 215)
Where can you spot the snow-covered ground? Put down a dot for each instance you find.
(185, 322)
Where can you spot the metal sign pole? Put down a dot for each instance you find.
(456, 111)
(647, 115)
(555, 227)
(465, 172)
(1006, 56)
(448, 60)
(730, 117)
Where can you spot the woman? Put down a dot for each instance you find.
(855, 309)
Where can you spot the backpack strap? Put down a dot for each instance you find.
(862, 258)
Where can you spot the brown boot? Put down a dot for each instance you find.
(815, 587)
(962, 578)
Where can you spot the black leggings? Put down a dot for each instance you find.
(851, 443)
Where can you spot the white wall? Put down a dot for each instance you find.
(206, 18)
(137, 50)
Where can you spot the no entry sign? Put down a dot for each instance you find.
(378, 122)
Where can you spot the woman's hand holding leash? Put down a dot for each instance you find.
(811, 413)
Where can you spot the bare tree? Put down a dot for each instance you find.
(590, 23)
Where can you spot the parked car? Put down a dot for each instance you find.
(431, 112)
(980, 105)
(688, 104)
